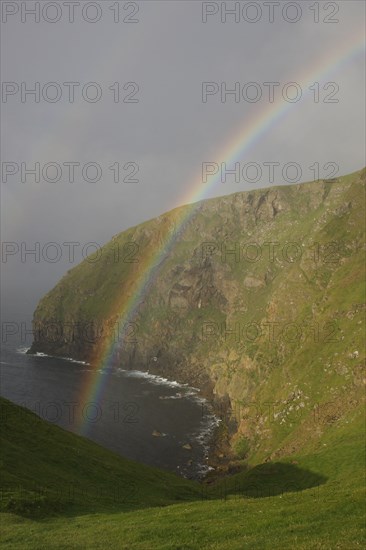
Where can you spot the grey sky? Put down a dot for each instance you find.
(169, 132)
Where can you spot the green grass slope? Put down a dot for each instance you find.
(46, 470)
(315, 503)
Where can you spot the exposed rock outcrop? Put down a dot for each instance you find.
(242, 301)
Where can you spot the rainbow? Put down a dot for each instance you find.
(244, 139)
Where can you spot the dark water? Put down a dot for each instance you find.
(131, 408)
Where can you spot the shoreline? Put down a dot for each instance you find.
(219, 457)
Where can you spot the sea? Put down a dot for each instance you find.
(140, 416)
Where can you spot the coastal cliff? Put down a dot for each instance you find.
(257, 298)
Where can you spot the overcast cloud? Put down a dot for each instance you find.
(169, 132)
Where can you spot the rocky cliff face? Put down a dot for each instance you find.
(259, 302)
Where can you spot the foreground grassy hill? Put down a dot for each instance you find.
(259, 299)
(46, 469)
(61, 491)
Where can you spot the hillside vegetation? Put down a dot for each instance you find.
(258, 298)
(260, 301)
(61, 491)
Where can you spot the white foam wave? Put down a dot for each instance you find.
(176, 396)
(41, 354)
(23, 351)
(74, 360)
(204, 469)
(203, 437)
(153, 378)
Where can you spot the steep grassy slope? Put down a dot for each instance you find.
(261, 299)
(59, 491)
(46, 470)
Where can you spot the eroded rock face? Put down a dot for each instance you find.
(196, 288)
(268, 206)
(213, 316)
